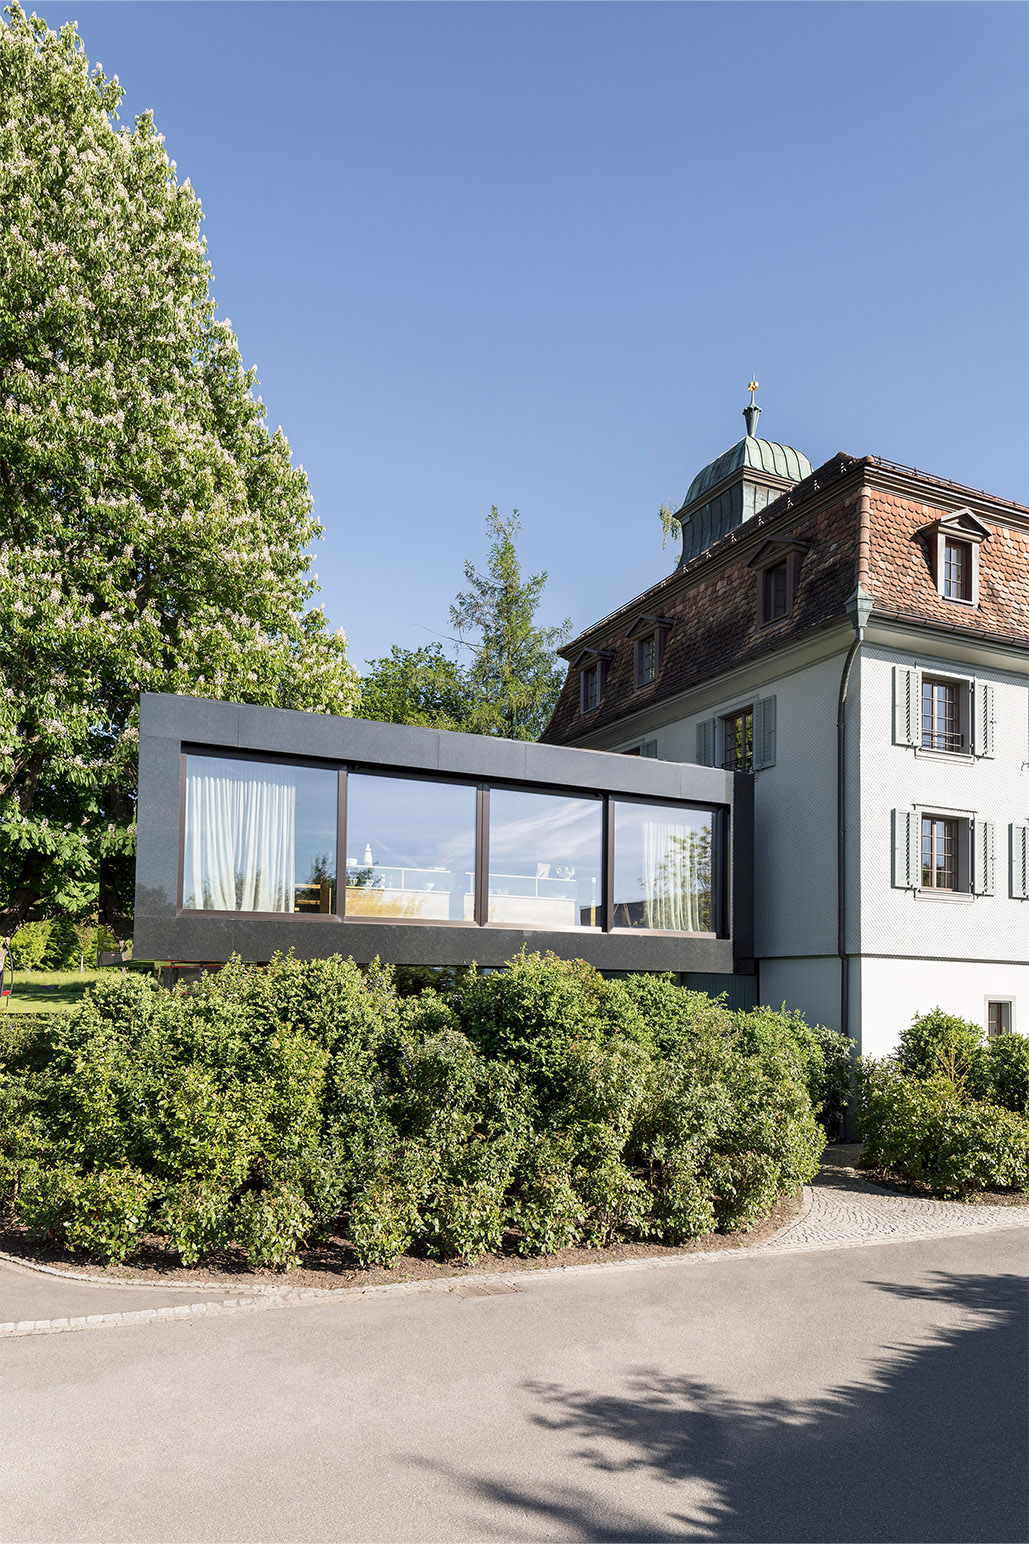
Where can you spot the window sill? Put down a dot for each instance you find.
(956, 600)
(962, 897)
(958, 758)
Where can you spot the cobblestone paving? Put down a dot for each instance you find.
(842, 1207)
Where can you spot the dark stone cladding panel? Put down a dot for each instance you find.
(161, 932)
(201, 939)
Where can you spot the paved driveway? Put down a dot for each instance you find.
(854, 1393)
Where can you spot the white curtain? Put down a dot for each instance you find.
(671, 881)
(240, 837)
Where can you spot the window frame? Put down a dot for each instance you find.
(647, 631)
(592, 664)
(961, 686)
(1002, 1002)
(725, 721)
(960, 528)
(720, 845)
(772, 556)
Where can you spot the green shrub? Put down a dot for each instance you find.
(939, 1042)
(268, 1107)
(1002, 1075)
(30, 944)
(104, 1213)
(927, 1130)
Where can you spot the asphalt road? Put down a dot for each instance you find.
(872, 1393)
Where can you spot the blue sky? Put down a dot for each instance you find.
(530, 254)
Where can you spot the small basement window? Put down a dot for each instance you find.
(998, 1018)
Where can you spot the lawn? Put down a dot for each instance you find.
(50, 991)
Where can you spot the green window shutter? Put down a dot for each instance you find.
(907, 855)
(982, 719)
(706, 742)
(982, 856)
(1019, 839)
(907, 706)
(764, 732)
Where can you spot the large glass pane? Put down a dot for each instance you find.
(544, 860)
(259, 837)
(410, 849)
(662, 867)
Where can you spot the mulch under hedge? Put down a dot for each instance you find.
(332, 1264)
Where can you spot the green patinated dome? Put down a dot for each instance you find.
(737, 485)
(783, 460)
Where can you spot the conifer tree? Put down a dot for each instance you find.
(515, 675)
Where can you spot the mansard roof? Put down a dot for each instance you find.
(853, 520)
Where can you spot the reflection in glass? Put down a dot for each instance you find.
(259, 837)
(544, 860)
(662, 867)
(410, 849)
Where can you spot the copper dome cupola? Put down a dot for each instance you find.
(737, 485)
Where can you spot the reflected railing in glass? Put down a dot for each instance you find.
(545, 860)
(410, 849)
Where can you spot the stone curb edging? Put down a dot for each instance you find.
(480, 1285)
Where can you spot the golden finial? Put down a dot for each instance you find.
(752, 388)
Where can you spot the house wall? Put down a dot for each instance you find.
(920, 950)
(913, 924)
(794, 809)
(894, 991)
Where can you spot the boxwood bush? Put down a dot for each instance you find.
(949, 1109)
(540, 1106)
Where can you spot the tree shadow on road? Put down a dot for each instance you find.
(930, 1446)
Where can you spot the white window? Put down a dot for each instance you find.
(942, 714)
(943, 852)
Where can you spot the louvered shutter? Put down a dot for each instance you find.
(706, 742)
(982, 856)
(982, 719)
(906, 849)
(649, 748)
(764, 732)
(1019, 838)
(907, 706)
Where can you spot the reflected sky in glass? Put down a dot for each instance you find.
(410, 846)
(545, 854)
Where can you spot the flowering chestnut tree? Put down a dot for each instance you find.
(153, 531)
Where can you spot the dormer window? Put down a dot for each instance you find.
(592, 665)
(777, 564)
(953, 543)
(648, 634)
(774, 581)
(957, 570)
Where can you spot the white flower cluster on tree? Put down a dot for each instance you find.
(153, 532)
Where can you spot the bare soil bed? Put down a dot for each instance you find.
(332, 1263)
(975, 1198)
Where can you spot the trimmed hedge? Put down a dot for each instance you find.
(271, 1107)
(947, 1110)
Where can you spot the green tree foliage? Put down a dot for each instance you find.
(152, 529)
(416, 686)
(515, 675)
(537, 1107)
